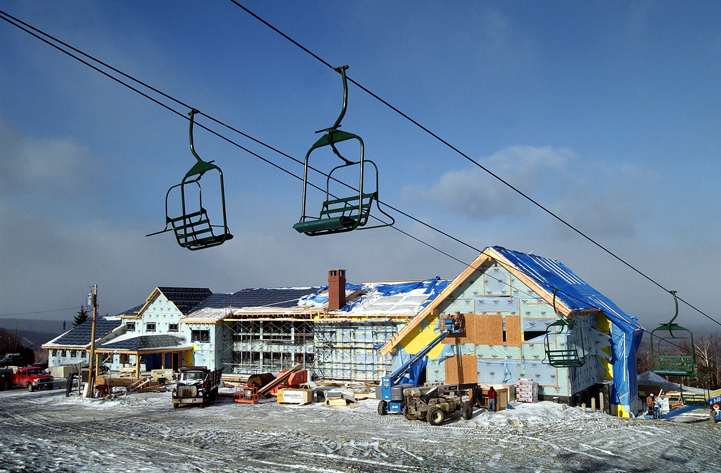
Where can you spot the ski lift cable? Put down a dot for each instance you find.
(474, 162)
(36, 33)
(38, 312)
(25, 27)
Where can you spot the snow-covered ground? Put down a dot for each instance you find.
(47, 432)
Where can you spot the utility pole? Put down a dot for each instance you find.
(91, 366)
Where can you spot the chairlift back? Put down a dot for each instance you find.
(341, 214)
(567, 357)
(192, 228)
(666, 359)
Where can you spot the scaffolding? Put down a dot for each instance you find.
(330, 349)
(255, 346)
(347, 350)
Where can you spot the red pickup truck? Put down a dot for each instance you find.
(32, 378)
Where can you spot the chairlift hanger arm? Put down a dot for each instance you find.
(200, 166)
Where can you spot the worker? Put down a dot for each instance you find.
(649, 404)
(491, 399)
(657, 406)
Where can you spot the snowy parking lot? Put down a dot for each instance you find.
(47, 432)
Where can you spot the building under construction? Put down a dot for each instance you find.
(334, 332)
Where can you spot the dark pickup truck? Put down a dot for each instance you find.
(196, 385)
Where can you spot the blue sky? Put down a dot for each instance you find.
(605, 113)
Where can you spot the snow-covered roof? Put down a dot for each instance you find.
(406, 298)
(391, 299)
(281, 300)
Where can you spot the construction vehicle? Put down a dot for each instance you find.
(432, 402)
(196, 385)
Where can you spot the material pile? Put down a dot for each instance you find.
(526, 390)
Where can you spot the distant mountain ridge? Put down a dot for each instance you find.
(36, 331)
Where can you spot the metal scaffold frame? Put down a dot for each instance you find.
(347, 350)
(332, 350)
(268, 345)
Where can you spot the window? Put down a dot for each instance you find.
(172, 327)
(54, 352)
(529, 335)
(83, 354)
(130, 326)
(62, 353)
(150, 327)
(200, 336)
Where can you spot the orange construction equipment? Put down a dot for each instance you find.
(246, 395)
(279, 380)
(295, 379)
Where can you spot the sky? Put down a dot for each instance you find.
(605, 114)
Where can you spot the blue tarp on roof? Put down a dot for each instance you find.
(432, 287)
(578, 295)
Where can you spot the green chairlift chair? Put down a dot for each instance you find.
(192, 227)
(341, 214)
(568, 357)
(666, 359)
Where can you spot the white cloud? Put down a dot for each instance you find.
(60, 168)
(474, 194)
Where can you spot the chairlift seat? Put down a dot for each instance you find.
(191, 231)
(674, 365)
(564, 358)
(353, 212)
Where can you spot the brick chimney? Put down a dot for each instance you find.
(336, 289)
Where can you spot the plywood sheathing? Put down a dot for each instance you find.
(461, 369)
(489, 329)
(513, 331)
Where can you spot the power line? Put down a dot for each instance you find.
(474, 162)
(38, 312)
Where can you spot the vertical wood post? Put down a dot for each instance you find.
(91, 367)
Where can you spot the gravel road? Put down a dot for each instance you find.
(47, 432)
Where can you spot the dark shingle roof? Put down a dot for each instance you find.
(145, 342)
(185, 298)
(80, 335)
(133, 311)
(282, 297)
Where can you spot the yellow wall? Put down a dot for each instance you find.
(418, 339)
(604, 325)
